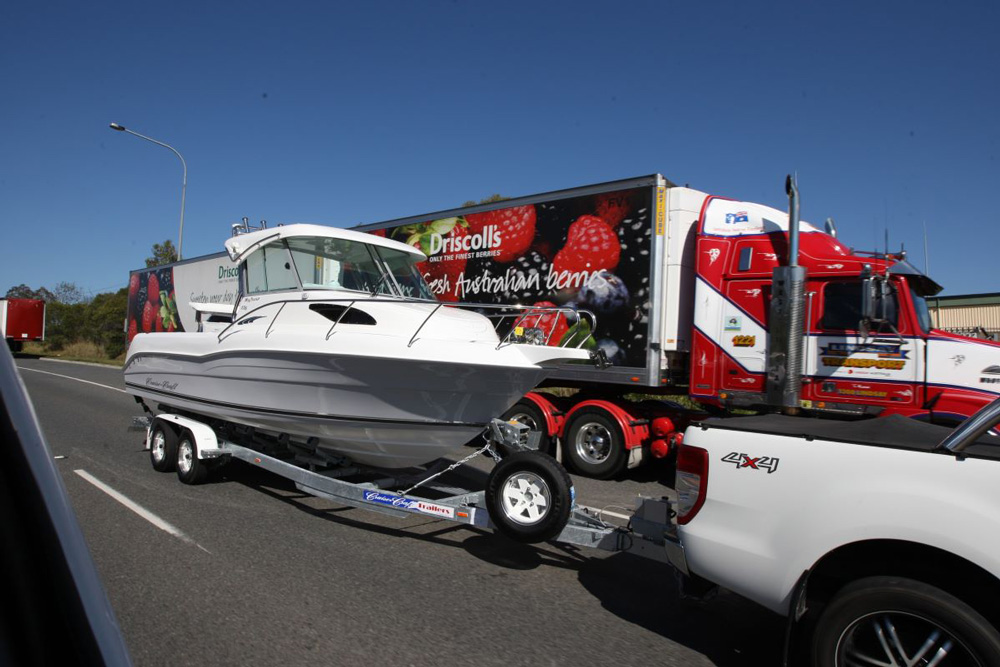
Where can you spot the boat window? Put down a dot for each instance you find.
(325, 263)
(268, 270)
(406, 274)
(335, 312)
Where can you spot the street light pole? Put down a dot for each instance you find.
(180, 237)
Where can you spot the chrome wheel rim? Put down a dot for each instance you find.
(525, 498)
(158, 447)
(593, 443)
(892, 638)
(185, 456)
(526, 419)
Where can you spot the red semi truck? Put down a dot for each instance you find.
(22, 321)
(707, 297)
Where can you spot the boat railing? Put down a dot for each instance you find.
(513, 323)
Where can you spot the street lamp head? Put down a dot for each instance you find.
(116, 126)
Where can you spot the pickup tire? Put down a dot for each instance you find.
(892, 620)
(594, 445)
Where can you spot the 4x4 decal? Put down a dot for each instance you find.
(768, 463)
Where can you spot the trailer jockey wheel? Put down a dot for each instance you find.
(529, 497)
(162, 447)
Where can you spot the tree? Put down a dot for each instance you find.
(105, 321)
(24, 292)
(488, 200)
(163, 253)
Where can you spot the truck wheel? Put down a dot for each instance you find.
(190, 469)
(529, 497)
(594, 445)
(896, 621)
(527, 413)
(163, 448)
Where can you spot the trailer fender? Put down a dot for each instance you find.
(207, 443)
(635, 430)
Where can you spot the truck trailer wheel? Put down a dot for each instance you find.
(190, 469)
(897, 621)
(527, 413)
(529, 497)
(594, 445)
(163, 448)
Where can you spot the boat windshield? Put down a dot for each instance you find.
(406, 274)
(326, 263)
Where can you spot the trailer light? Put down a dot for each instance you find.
(464, 515)
(256, 460)
(634, 379)
(722, 395)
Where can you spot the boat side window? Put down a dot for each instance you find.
(269, 270)
(842, 307)
(342, 314)
(405, 273)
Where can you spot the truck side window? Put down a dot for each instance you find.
(842, 307)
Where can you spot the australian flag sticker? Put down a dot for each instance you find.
(737, 218)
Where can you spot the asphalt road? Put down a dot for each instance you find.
(247, 570)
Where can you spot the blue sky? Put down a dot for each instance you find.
(342, 113)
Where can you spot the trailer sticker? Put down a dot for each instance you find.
(768, 463)
(744, 340)
(734, 323)
(661, 210)
(437, 510)
(389, 499)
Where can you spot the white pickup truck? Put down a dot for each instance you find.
(878, 539)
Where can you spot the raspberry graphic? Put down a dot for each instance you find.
(516, 226)
(590, 246)
(148, 315)
(554, 324)
(153, 289)
(612, 207)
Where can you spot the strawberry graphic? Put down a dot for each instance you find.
(516, 226)
(612, 207)
(148, 316)
(133, 285)
(441, 241)
(132, 330)
(153, 289)
(591, 245)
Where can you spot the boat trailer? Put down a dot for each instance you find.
(528, 497)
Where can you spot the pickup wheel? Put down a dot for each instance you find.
(527, 413)
(162, 448)
(594, 444)
(529, 497)
(190, 469)
(896, 621)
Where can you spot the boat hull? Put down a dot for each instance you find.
(379, 411)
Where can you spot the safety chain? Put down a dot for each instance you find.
(488, 447)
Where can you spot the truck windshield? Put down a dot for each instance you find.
(923, 312)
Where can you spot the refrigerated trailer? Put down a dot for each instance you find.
(22, 321)
(733, 304)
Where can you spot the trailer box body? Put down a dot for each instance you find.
(623, 250)
(22, 320)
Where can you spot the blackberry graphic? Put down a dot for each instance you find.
(635, 234)
(526, 277)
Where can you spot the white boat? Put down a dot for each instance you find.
(338, 343)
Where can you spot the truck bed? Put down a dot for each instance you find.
(894, 431)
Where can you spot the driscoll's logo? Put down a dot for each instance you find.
(488, 238)
(227, 272)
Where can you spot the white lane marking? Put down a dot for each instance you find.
(70, 377)
(606, 512)
(140, 510)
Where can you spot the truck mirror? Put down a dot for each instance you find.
(868, 305)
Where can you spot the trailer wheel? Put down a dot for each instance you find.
(190, 469)
(163, 448)
(594, 444)
(529, 497)
(891, 620)
(527, 413)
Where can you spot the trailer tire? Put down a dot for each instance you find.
(594, 445)
(190, 469)
(529, 414)
(163, 447)
(876, 616)
(529, 497)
